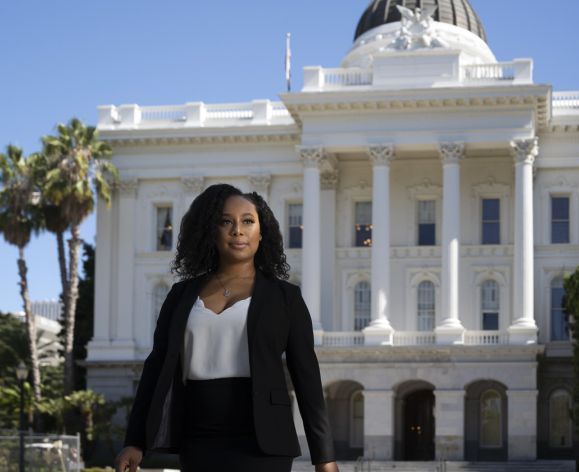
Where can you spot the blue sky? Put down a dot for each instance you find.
(64, 58)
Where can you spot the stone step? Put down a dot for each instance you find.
(399, 466)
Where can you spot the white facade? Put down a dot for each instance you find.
(449, 126)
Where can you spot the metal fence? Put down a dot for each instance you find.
(41, 453)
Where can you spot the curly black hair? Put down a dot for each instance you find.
(196, 251)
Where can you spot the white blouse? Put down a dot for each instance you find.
(215, 345)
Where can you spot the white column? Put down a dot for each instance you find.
(450, 330)
(380, 332)
(328, 182)
(524, 329)
(311, 240)
(449, 424)
(260, 183)
(99, 346)
(379, 424)
(522, 424)
(123, 343)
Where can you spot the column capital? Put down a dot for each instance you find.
(128, 186)
(329, 179)
(381, 155)
(311, 156)
(451, 152)
(260, 182)
(524, 151)
(193, 183)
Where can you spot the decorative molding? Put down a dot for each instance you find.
(561, 181)
(381, 155)
(425, 189)
(260, 183)
(193, 184)
(128, 186)
(491, 187)
(417, 30)
(129, 141)
(329, 179)
(311, 157)
(451, 152)
(539, 102)
(524, 151)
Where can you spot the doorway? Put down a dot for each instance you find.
(418, 426)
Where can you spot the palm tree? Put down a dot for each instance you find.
(78, 170)
(19, 218)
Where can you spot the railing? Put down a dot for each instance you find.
(346, 77)
(485, 338)
(414, 338)
(566, 102)
(257, 112)
(40, 452)
(164, 113)
(343, 338)
(229, 111)
(483, 72)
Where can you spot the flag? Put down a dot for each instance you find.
(288, 62)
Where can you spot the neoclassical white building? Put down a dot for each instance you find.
(429, 200)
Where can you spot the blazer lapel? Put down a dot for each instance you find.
(179, 321)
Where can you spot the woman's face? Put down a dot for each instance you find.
(238, 232)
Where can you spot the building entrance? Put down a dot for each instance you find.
(418, 426)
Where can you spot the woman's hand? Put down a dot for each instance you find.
(129, 457)
(327, 467)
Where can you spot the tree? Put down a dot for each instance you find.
(571, 306)
(78, 171)
(19, 218)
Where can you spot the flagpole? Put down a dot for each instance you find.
(288, 58)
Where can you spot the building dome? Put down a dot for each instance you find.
(454, 12)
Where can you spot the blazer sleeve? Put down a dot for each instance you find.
(304, 370)
(136, 427)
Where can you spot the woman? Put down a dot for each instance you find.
(213, 388)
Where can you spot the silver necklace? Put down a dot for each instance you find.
(226, 291)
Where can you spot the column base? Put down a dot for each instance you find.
(107, 350)
(378, 333)
(523, 334)
(450, 333)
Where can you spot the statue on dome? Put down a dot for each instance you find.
(417, 30)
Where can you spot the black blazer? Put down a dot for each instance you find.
(277, 321)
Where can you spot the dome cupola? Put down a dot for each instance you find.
(402, 25)
(454, 12)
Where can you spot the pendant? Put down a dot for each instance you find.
(226, 292)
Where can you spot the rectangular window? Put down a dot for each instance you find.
(559, 319)
(295, 225)
(490, 322)
(491, 226)
(426, 223)
(559, 220)
(164, 228)
(363, 224)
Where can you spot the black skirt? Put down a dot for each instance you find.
(219, 433)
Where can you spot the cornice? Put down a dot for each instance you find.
(536, 96)
(142, 139)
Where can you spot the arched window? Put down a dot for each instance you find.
(362, 301)
(560, 423)
(160, 292)
(559, 319)
(426, 306)
(357, 420)
(490, 305)
(490, 420)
